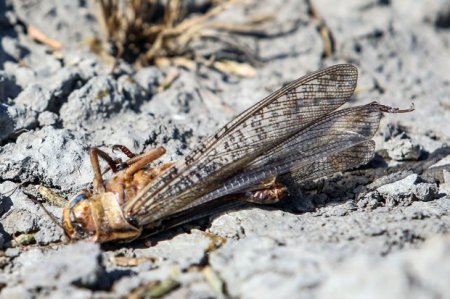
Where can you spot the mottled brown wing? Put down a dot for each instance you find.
(347, 159)
(350, 158)
(252, 133)
(319, 145)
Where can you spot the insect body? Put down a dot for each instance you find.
(298, 128)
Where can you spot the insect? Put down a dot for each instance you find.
(298, 128)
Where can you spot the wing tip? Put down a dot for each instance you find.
(347, 68)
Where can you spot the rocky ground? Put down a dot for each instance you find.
(381, 231)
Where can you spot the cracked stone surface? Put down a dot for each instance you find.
(380, 231)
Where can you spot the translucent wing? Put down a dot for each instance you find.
(252, 133)
(315, 148)
(347, 159)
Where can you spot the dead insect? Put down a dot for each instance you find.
(296, 129)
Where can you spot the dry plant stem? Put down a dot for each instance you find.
(250, 27)
(38, 35)
(199, 20)
(103, 12)
(236, 28)
(232, 43)
(172, 12)
(128, 28)
(232, 67)
(324, 30)
(185, 30)
(168, 80)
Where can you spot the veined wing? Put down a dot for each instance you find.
(361, 121)
(347, 159)
(316, 148)
(253, 132)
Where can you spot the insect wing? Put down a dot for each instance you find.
(251, 134)
(318, 146)
(338, 127)
(347, 159)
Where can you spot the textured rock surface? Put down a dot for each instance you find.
(381, 231)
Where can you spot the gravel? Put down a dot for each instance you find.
(381, 231)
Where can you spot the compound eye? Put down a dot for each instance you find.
(79, 197)
(80, 230)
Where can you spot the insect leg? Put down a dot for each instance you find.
(94, 153)
(119, 165)
(140, 161)
(157, 170)
(124, 150)
(268, 192)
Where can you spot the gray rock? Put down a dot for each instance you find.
(34, 68)
(13, 48)
(23, 75)
(402, 275)
(12, 197)
(193, 285)
(12, 252)
(371, 201)
(18, 214)
(293, 250)
(124, 286)
(99, 99)
(435, 13)
(8, 88)
(88, 64)
(183, 100)
(444, 188)
(45, 151)
(19, 221)
(14, 292)
(401, 149)
(71, 23)
(47, 118)
(61, 84)
(143, 132)
(14, 119)
(70, 292)
(263, 270)
(164, 272)
(149, 78)
(3, 239)
(34, 97)
(425, 191)
(185, 250)
(6, 123)
(48, 232)
(381, 39)
(25, 119)
(78, 264)
(400, 192)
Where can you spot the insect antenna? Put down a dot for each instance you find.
(34, 199)
(13, 190)
(396, 110)
(50, 215)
